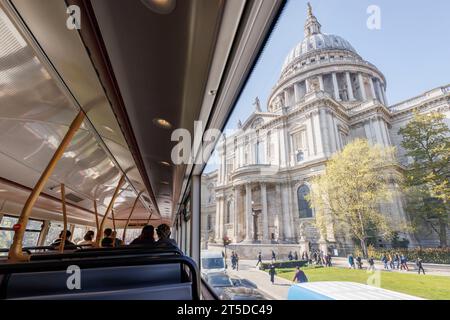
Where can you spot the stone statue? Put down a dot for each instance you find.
(257, 105)
(314, 85)
(239, 124)
(302, 231)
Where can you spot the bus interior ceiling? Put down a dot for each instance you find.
(124, 68)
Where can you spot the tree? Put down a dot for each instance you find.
(426, 141)
(350, 192)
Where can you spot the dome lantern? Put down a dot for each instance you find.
(312, 25)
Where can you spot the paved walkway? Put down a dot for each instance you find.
(261, 280)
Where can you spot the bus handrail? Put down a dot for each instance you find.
(111, 261)
(106, 252)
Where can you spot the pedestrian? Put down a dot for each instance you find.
(359, 262)
(371, 264)
(236, 257)
(233, 260)
(290, 256)
(397, 261)
(403, 263)
(259, 259)
(329, 259)
(299, 276)
(419, 265)
(303, 256)
(274, 257)
(295, 256)
(351, 262)
(384, 259)
(272, 273)
(391, 261)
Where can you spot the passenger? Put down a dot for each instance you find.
(67, 244)
(88, 239)
(107, 241)
(163, 232)
(146, 237)
(117, 241)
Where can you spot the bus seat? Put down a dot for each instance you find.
(111, 279)
(178, 291)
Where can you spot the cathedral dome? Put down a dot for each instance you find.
(315, 40)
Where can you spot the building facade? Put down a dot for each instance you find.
(326, 96)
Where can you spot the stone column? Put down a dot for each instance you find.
(286, 216)
(297, 92)
(380, 92)
(318, 133)
(372, 88)
(265, 219)
(286, 98)
(383, 92)
(362, 88)
(351, 97)
(217, 229)
(248, 213)
(325, 131)
(307, 85)
(335, 86)
(331, 129)
(236, 214)
(279, 213)
(321, 86)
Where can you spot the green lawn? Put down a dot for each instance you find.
(424, 286)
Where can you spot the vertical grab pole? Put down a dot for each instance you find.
(97, 224)
(111, 203)
(15, 251)
(129, 217)
(64, 235)
(114, 228)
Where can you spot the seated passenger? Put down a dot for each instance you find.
(67, 244)
(107, 241)
(88, 239)
(146, 237)
(110, 238)
(118, 242)
(163, 232)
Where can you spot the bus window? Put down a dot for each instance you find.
(53, 232)
(130, 235)
(78, 233)
(7, 233)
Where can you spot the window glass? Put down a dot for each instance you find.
(31, 235)
(53, 232)
(132, 233)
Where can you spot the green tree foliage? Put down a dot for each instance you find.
(426, 140)
(356, 181)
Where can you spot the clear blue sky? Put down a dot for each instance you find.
(412, 48)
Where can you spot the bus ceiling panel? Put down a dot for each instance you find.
(161, 64)
(12, 198)
(67, 80)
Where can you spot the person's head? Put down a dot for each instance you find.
(163, 231)
(298, 268)
(68, 234)
(89, 236)
(147, 232)
(108, 232)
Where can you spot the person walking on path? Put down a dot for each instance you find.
(272, 273)
(384, 259)
(274, 257)
(259, 259)
(371, 264)
(351, 262)
(290, 256)
(299, 276)
(295, 256)
(236, 257)
(359, 262)
(397, 261)
(391, 262)
(403, 263)
(419, 265)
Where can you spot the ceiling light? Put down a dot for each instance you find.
(162, 123)
(164, 182)
(108, 129)
(164, 163)
(3, 190)
(160, 6)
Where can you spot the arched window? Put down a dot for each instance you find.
(304, 210)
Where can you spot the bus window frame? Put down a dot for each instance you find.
(11, 229)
